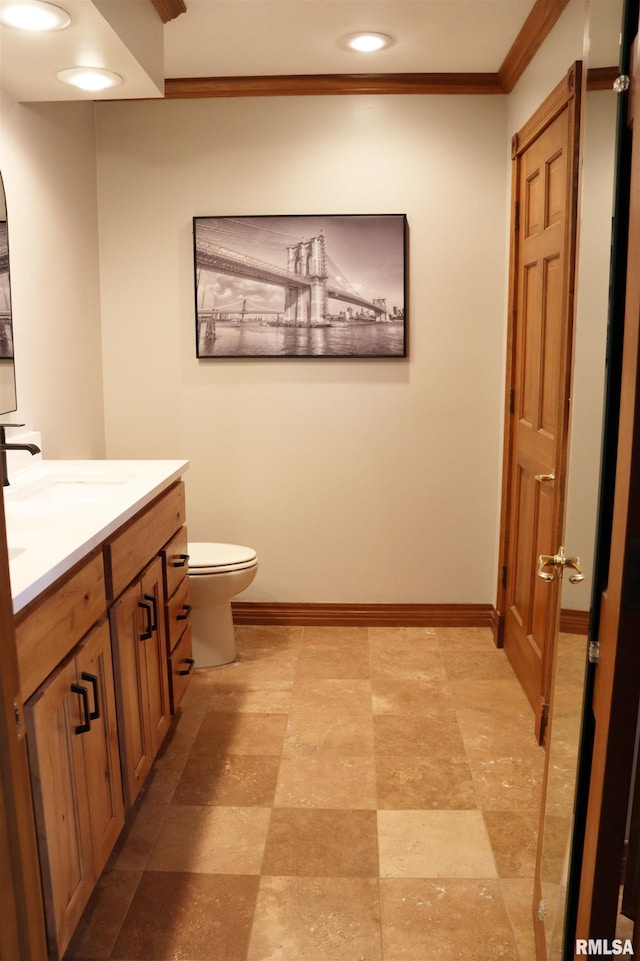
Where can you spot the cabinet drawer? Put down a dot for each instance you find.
(178, 613)
(148, 532)
(180, 667)
(175, 555)
(52, 627)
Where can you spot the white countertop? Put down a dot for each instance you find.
(58, 511)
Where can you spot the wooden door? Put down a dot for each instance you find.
(545, 182)
(607, 769)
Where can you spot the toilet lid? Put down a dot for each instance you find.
(219, 556)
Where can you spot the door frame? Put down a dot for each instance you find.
(566, 95)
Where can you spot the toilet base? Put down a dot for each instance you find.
(213, 635)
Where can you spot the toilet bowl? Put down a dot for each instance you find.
(217, 572)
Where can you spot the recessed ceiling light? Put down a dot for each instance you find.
(368, 41)
(34, 15)
(90, 78)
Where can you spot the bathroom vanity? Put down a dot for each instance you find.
(98, 563)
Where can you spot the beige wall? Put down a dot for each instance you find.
(356, 481)
(47, 158)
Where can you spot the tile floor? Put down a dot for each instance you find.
(336, 794)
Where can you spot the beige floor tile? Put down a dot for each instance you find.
(499, 696)
(273, 637)
(424, 783)
(410, 697)
(316, 919)
(240, 732)
(321, 843)
(434, 844)
(211, 840)
(514, 839)
(486, 735)
(326, 781)
(417, 735)
(465, 639)
(508, 783)
(447, 919)
(414, 663)
(476, 665)
(518, 898)
(95, 936)
(318, 637)
(339, 734)
(333, 696)
(187, 916)
(234, 780)
(256, 696)
(402, 638)
(339, 662)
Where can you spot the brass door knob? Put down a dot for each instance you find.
(558, 562)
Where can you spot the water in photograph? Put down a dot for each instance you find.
(254, 340)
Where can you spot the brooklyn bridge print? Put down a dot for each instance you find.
(300, 286)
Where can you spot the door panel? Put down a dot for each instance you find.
(539, 370)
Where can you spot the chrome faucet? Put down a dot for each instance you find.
(4, 447)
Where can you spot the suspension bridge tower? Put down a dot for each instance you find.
(307, 306)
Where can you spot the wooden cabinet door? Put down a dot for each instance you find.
(158, 708)
(75, 769)
(138, 632)
(100, 746)
(53, 715)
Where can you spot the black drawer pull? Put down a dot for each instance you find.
(148, 631)
(84, 694)
(189, 661)
(95, 714)
(181, 561)
(186, 610)
(154, 604)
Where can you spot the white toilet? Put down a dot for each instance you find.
(217, 572)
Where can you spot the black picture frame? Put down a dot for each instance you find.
(269, 286)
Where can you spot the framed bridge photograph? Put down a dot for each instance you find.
(300, 286)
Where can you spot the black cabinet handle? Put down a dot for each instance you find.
(148, 631)
(154, 604)
(84, 694)
(189, 661)
(92, 678)
(186, 610)
(181, 561)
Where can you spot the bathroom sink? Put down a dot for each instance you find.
(89, 488)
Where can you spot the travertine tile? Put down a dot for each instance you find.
(316, 919)
(254, 696)
(95, 936)
(518, 898)
(514, 839)
(402, 638)
(326, 781)
(332, 696)
(234, 780)
(465, 639)
(434, 844)
(339, 734)
(410, 696)
(239, 732)
(321, 843)
(476, 665)
(185, 916)
(445, 919)
(211, 840)
(268, 636)
(498, 696)
(508, 783)
(424, 783)
(418, 735)
(488, 735)
(338, 662)
(410, 663)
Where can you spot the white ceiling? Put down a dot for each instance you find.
(218, 38)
